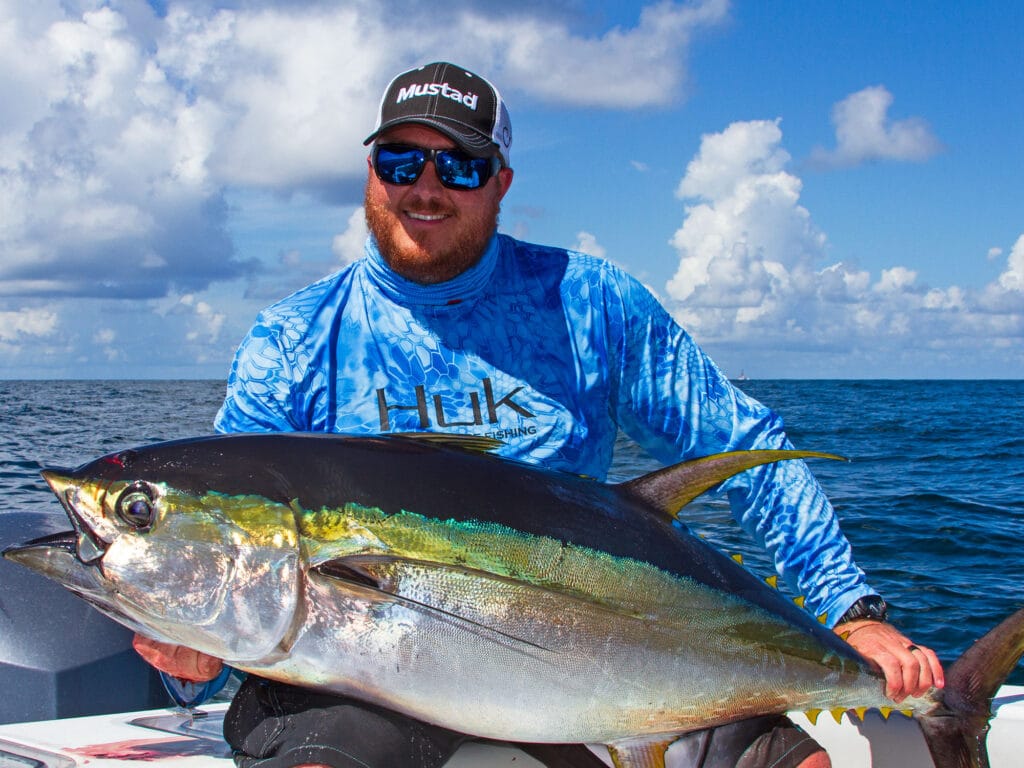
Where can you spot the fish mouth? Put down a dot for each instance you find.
(65, 540)
(55, 556)
(47, 554)
(88, 546)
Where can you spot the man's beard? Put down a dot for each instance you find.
(416, 263)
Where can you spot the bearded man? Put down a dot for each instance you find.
(447, 326)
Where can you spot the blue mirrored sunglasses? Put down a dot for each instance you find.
(402, 164)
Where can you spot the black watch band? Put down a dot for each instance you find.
(870, 607)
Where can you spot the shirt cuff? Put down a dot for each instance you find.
(187, 694)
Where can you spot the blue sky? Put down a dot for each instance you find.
(813, 189)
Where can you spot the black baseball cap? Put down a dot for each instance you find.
(451, 99)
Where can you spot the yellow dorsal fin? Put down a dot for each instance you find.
(642, 752)
(837, 714)
(479, 443)
(812, 715)
(672, 488)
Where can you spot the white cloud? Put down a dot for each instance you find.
(348, 245)
(194, 320)
(90, 174)
(747, 241)
(587, 243)
(121, 131)
(896, 280)
(635, 67)
(1013, 278)
(865, 133)
(206, 322)
(16, 325)
(753, 269)
(104, 336)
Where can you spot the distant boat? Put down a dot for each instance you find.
(741, 377)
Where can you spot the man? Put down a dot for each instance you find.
(447, 326)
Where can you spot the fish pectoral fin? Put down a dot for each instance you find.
(641, 752)
(371, 573)
(672, 488)
(347, 569)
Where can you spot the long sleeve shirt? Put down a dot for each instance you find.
(550, 351)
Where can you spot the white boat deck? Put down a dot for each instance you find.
(163, 738)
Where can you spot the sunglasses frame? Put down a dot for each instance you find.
(494, 164)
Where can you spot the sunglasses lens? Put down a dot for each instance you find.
(402, 165)
(399, 165)
(460, 171)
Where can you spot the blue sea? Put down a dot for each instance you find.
(932, 498)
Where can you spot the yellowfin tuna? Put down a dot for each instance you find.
(487, 596)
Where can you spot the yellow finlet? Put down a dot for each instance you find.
(738, 558)
(837, 714)
(799, 601)
(772, 581)
(642, 752)
(823, 618)
(861, 713)
(886, 711)
(812, 715)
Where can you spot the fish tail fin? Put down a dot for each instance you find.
(672, 488)
(956, 731)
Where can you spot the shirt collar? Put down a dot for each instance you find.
(459, 289)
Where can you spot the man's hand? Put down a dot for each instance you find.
(910, 670)
(178, 661)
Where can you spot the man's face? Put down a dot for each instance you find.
(428, 233)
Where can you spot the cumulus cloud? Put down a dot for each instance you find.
(348, 245)
(21, 324)
(864, 132)
(1013, 278)
(95, 176)
(746, 242)
(634, 67)
(122, 130)
(754, 269)
(587, 243)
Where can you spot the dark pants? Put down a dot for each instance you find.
(271, 725)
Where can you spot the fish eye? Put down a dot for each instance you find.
(135, 506)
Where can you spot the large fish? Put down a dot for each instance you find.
(488, 596)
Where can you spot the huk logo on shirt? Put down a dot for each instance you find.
(475, 416)
(438, 89)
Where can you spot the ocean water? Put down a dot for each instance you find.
(932, 498)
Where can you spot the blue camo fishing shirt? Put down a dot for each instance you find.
(551, 352)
